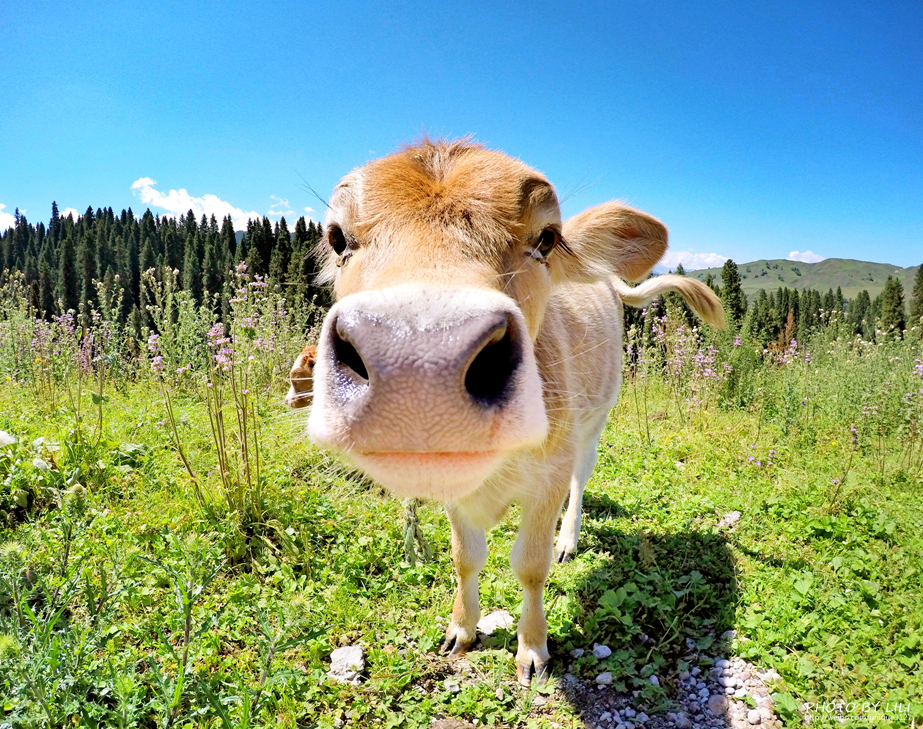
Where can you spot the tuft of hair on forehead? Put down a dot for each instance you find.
(467, 195)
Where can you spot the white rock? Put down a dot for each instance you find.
(769, 675)
(654, 680)
(754, 717)
(601, 651)
(729, 635)
(729, 690)
(497, 619)
(604, 679)
(766, 713)
(684, 676)
(740, 693)
(727, 681)
(629, 712)
(704, 693)
(696, 671)
(682, 720)
(452, 687)
(729, 520)
(346, 664)
(577, 652)
(641, 718)
(722, 663)
(605, 716)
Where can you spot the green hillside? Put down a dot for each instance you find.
(851, 276)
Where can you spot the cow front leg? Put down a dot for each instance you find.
(531, 560)
(469, 553)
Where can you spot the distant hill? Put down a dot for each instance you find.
(851, 276)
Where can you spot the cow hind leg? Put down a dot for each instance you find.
(469, 553)
(583, 469)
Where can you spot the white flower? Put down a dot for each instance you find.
(6, 439)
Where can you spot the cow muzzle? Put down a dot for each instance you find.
(428, 390)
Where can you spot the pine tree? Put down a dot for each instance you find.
(212, 265)
(916, 303)
(54, 227)
(893, 321)
(192, 265)
(735, 303)
(859, 319)
(88, 268)
(68, 283)
(45, 304)
(278, 265)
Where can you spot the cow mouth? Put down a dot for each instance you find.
(444, 476)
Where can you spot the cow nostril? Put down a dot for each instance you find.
(348, 356)
(490, 372)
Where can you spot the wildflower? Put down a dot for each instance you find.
(161, 423)
(184, 420)
(758, 463)
(737, 342)
(153, 344)
(751, 459)
(836, 481)
(157, 364)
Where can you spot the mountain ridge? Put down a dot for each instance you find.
(850, 275)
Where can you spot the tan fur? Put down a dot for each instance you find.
(301, 378)
(441, 235)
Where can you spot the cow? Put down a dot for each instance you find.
(301, 378)
(475, 349)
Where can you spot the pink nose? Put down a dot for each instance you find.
(472, 360)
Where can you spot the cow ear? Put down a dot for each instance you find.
(608, 239)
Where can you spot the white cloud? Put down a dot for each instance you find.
(7, 220)
(280, 206)
(691, 260)
(70, 211)
(179, 202)
(806, 257)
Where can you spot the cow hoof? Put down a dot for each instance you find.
(563, 556)
(537, 670)
(455, 645)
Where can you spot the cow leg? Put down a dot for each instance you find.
(570, 524)
(531, 561)
(469, 553)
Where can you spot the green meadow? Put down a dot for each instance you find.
(174, 552)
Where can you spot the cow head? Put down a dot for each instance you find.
(443, 258)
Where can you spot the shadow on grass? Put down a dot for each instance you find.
(658, 601)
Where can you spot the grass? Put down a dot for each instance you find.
(123, 602)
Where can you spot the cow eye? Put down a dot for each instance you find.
(546, 242)
(337, 239)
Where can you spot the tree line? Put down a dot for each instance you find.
(62, 261)
(777, 317)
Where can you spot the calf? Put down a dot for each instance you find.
(301, 378)
(475, 350)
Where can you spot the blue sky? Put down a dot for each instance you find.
(753, 130)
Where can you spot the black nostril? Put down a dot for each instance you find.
(348, 356)
(488, 380)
